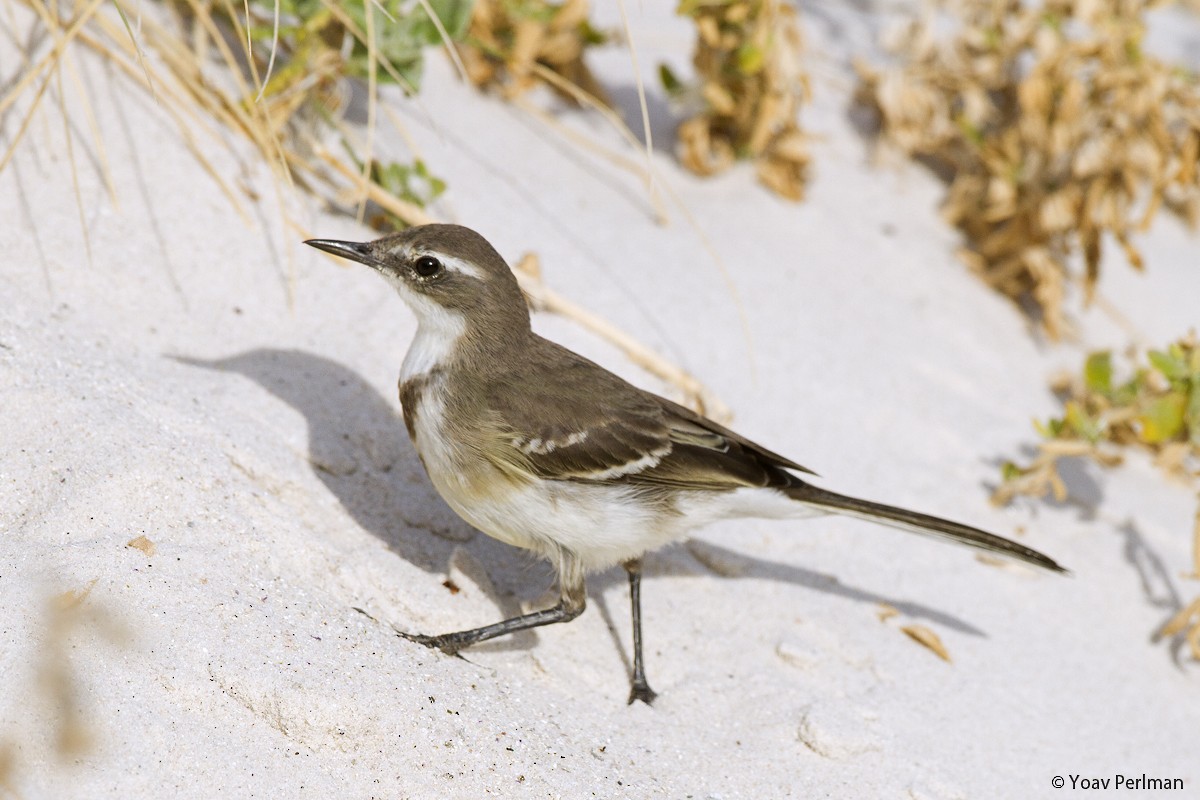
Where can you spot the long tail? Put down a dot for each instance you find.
(919, 523)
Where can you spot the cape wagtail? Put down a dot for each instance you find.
(540, 448)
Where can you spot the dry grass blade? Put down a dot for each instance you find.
(262, 85)
(928, 639)
(641, 93)
(176, 103)
(350, 25)
(94, 129)
(68, 34)
(645, 171)
(695, 394)
(1196, 544)
(372, 106)
(886, 611)
(254, 120)
(411, 213)
(447, 41)
(70, 142)
(141, 57)
(1187, 619)
(580, 139)
(20, 134)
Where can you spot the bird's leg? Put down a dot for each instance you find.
(570, 605)
(639, 689)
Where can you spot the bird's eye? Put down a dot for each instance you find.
(427, 266)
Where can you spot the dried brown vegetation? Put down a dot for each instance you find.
(48, 700)
(509, 40)
(1055, 128)
(752, 86)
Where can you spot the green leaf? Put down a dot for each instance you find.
(455, 16)
(265, 33)
(402, 41)
(1193, 414)
(591, 35)
(750, 59)
(1097, 372)
(1162, 419)
(1127, 393)
(1170, 364)
(1010, 471)
(1050, 429)
(1083, 425)
(531, 9)
(670, 81)
(1133, 51)
(972, 133)
(688, 8)
(302, 10)
(413, 183)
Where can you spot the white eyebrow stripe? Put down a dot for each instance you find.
(459, 265)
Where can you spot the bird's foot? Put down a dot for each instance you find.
(446, 642)
(640, 690)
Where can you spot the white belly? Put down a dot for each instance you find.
(600, 525)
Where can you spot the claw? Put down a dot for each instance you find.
(643, 692)
(444, 643)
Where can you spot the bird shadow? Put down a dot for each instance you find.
(678, 561)
(675, 561)
(358, 449)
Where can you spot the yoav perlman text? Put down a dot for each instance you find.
(1121, 782)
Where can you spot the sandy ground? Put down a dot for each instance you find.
(201, 380)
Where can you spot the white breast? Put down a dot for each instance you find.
(449, 466)
(438, 332)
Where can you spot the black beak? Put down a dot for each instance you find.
(355, 251)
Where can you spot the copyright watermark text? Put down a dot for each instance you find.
(1117, 781)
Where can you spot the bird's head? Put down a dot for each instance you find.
(450, 276)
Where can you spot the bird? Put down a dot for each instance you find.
(543, 449)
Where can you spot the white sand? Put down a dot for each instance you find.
(166, 387)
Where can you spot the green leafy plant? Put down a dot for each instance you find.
(1157, 409)
(411, 183)
(305, 49)
(400, 32)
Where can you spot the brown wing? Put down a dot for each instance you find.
(570, 419)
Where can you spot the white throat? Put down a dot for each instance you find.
(438, 332)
